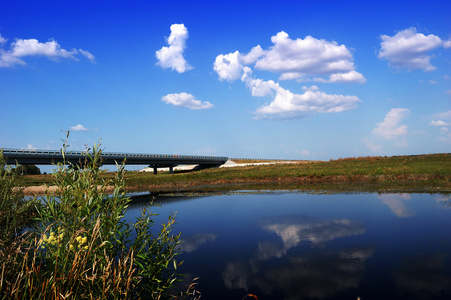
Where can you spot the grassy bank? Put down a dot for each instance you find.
(418, 173)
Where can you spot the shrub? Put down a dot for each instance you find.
(15, 211)
(27, 170)
(81, 247)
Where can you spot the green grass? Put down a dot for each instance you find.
(430, 173)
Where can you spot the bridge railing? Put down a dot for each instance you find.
(109, 156)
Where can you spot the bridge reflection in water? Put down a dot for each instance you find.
(155, 161)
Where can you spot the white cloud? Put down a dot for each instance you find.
(439, 123)
(351, 76)
(391, 127)
(253, 55)
(2, 40)
(308, 56)
(442, 120)
(409, 49)
(307, 59)
(186, 100)
(79, 127)
(172, 56)
(291, 76)
(293, 59)
(87, 54)
(49, 49)
(21, 48)
(289, 105)
(228, 66)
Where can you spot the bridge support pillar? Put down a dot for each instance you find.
(171, 169)
(155, 171)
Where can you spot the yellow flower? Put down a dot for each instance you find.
(71, 247)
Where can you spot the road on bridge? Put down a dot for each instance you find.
(155, 161)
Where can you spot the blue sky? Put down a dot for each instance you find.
(273, 79)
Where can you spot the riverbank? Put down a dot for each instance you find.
(415, 173)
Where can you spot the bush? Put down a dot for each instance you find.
(81, 247)
(15, 211)
(27, 170)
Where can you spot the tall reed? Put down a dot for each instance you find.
(81, 247)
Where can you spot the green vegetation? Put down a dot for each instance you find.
(415, 173)
(15, 211)
(79, 246)
(421, 173)
(26, 170)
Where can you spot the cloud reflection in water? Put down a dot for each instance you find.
(294, 230)
(318, 273)
(397, 204)
(192, 243)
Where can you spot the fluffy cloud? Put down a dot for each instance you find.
(186, 100)
(307, 56)
(307, 59)
(21, 48)
(289, 105)
(351, 76)
(172, 56)
(228, 66)
(294, 59)
(79, 127)
(409, 49)
(390, 127)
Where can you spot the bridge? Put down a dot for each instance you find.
(155, 161)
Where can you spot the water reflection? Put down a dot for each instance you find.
(397, 204)
(300, 246)
(192, 243)
(316, 274)
(423, 276)
(322, 273)
(445, 200)
(295, 229)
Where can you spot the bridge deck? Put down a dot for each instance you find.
(47, 157)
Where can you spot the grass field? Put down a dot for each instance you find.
(418, 173)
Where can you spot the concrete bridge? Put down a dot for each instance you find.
(155, 161)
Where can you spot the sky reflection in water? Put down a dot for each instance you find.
(302, 246)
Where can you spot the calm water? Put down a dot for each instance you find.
(304, 246)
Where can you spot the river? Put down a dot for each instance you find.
(287, 245)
